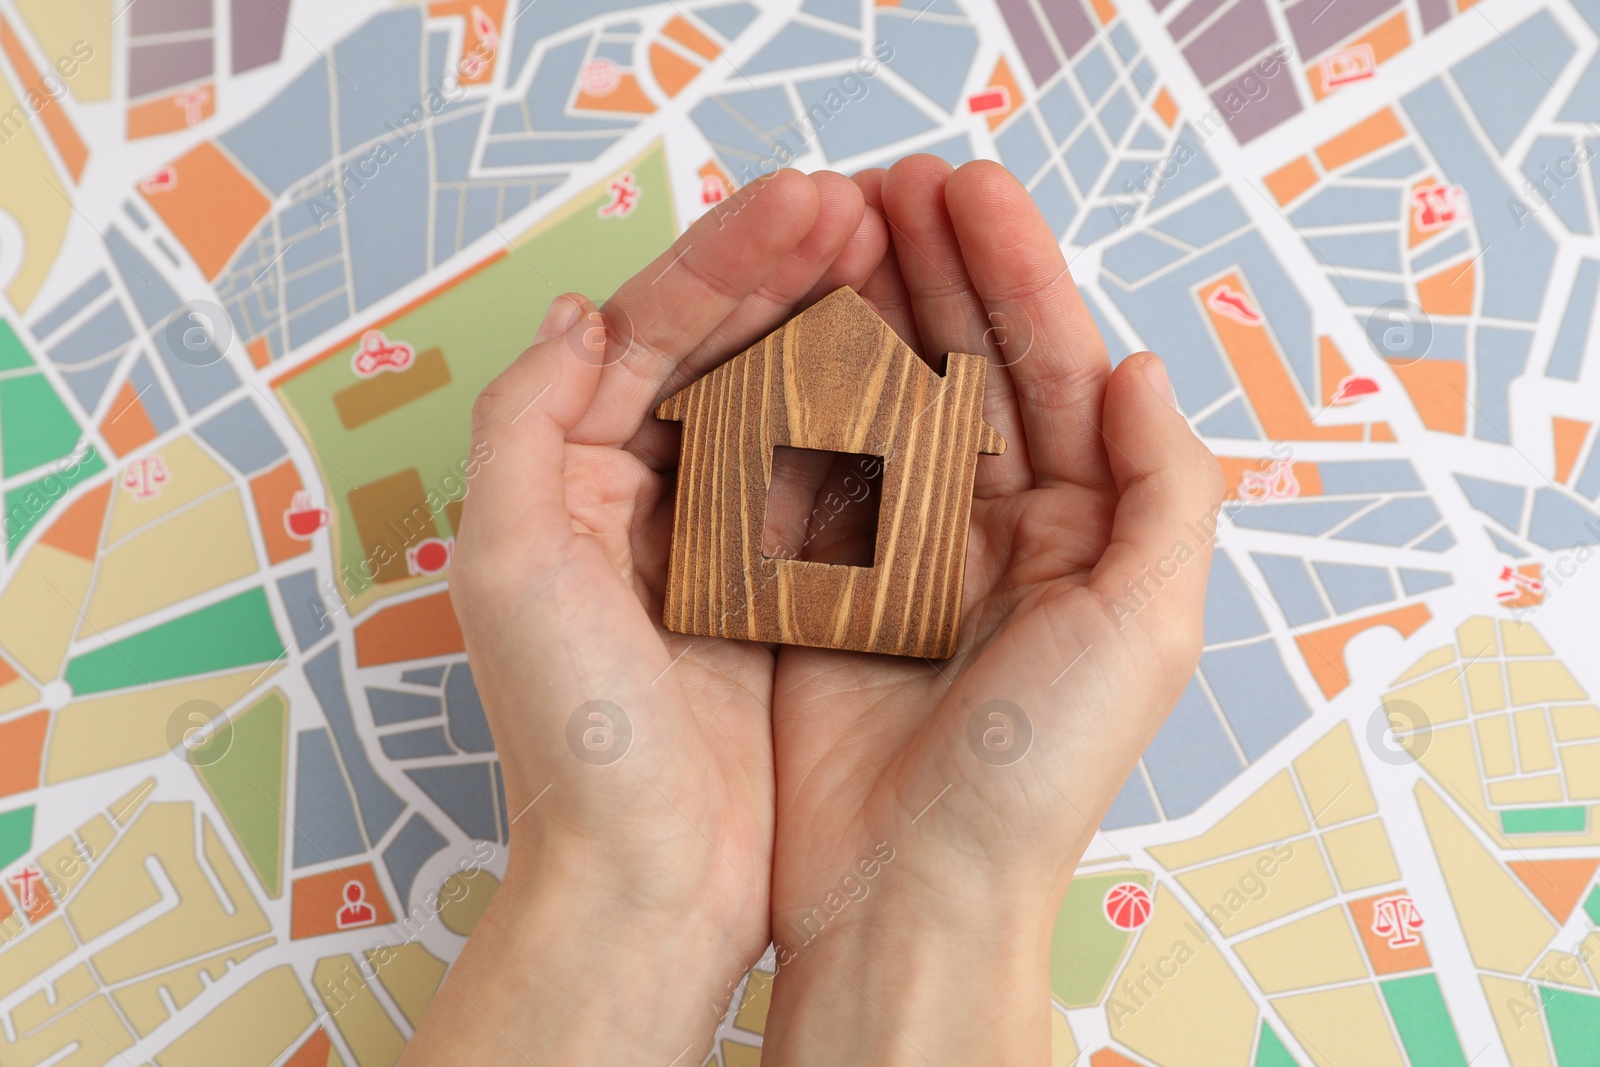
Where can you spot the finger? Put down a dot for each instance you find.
(950, 316)
(1154, 571)
(665, 312)
(777, 297)
(1054, 352)
(863, 251)
(519, 427)
(885, 287)
(840, 249)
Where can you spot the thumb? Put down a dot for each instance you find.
(519, 428)
(1154, 570)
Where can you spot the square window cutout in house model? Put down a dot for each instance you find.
(905, 438)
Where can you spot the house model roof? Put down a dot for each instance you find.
(834, 378)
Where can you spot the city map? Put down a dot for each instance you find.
(257, 258)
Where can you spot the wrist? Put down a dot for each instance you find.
(913, 975)
(564, 975)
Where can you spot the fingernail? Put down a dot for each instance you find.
(558, 320)
(1156, 372)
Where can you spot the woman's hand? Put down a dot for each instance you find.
(638, 763)
(930, 815)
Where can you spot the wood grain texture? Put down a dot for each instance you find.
(836, 378)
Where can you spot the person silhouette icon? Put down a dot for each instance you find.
(356, 911)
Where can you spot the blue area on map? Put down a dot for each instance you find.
(533, 22)
(933, 56)
(1022, 148)
(1207, 220)
(1168, 317)
(390, 706)
(1132, 806)
(1086, 157)
(1340, 476)
(1186, 168)
(1441, 540)
(1395, 522)
(1363, 251)
(1230, 613)
(1147, 138)
(1566, 357)
(1233, 420)
(1139, 256)
(1559, 522)
(1502, 355)
(325, 826)
(415, 844)
(98, 335)
(1353, 586)
(1095, 72)
(1256, 694)
(465, 792)
(423, 675)
(1349, 205)
(1191, 759)
(1292, 587)
(81, 297)
(152, 296)
(381, 68)
(1061, 110)
(388, 234)
(379, 805)
(1499, 501)
(800, 44)
(1116, 114)
(291, 136)
(1403, 162)
(416, 744)
(552, 84)
(1309, 517)
(1367, 292)
(469, 728)
(857, 126)
(743, 127)
(89, 384)
(1055, 201)
(1505, 81)
(1518, 255)
(1458, 243)
(1546, 166)
(847, 12)
(730, 20)
(308, 613)
(241, 435)
(1415, 581)
(151, 395)
(1584, 103)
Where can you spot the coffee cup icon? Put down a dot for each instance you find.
(303, 519)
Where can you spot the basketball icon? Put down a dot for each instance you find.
(1127, 905)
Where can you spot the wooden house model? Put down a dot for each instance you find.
(835, 378)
